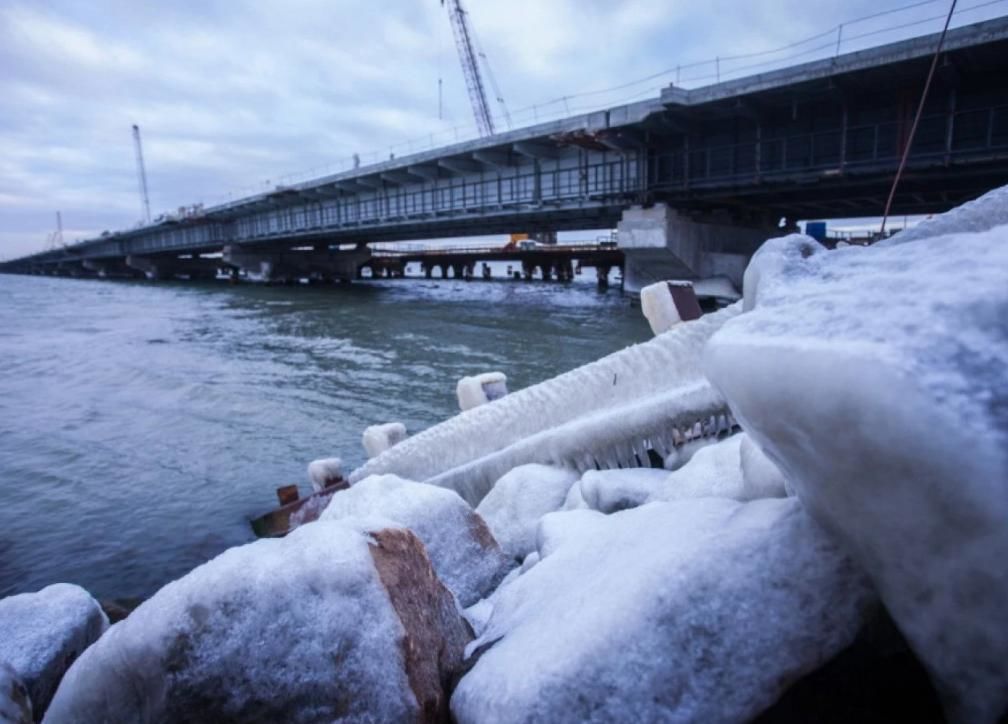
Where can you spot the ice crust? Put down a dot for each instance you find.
(519, 499)
(480, 389)
(875, 378)
(379, 438)
(732, 468)
(658, 307)
(15, 703)
(42, 632)
(323, 472)
(296, 629)
(603, 412)
(700, 610)
(460, 546)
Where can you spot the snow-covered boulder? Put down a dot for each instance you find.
(42, 633)
(15, 704)
(761, 478)
(699, 610)
(334, 622)
(379, 438)
(519, 499)
(325, 472)
(609, 491)
(876, 379)
(461, 547)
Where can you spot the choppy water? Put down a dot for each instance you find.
(142, 425)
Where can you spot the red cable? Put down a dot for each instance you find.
(913, 128)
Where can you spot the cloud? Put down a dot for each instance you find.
(231, 94)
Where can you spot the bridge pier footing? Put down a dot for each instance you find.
(659, 243)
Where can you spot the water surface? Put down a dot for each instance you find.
(142, 424)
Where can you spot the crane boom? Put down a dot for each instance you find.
(470, 67)
(141, 174)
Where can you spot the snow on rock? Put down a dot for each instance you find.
(461, 547)
(982, 214)
(15, 703)
(876, 379)
(693, 611)
(42, 633)
(761, 478)
(379, 438)
(519, 499)
(480, 389)
(611, 490)
(714, 470)
(323, 473)
(335, 621)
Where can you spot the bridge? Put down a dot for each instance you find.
(693, 179)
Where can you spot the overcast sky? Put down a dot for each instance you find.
(230, 94)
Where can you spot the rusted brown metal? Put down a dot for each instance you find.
(283, 520)
(287, 494)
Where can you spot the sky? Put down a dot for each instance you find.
(236, 96)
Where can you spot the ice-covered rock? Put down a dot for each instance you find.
(379, 438)
(611, 490)
(15, 703)
(42, 633)
(461, 547)
(714, 470)
(519, 499)
(334, 622)
(876, 379)
(982, 214)
(693, 611)
(761, 478)
(325, 472)
(480, 389)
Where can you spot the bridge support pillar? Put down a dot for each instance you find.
(527, 270)
(602, 274)
(659, 243)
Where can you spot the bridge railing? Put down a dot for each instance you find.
(941, 138)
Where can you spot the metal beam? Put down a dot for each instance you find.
(460, 165)
(494, 159)
(536, 150)
(398, 177)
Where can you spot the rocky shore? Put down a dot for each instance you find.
(824, 540)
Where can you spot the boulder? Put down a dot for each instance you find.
(15, 704)
(698, 610)
(464, 553)
(519, 499)
(875, 379)
(42, 633)
(335, 621)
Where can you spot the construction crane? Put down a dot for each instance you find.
(56, 237)
(469, 54)
(141, 175)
